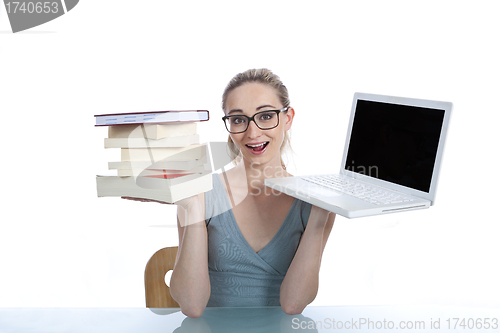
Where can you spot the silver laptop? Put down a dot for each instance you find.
(391, 159)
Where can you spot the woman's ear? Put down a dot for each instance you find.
(289, 118)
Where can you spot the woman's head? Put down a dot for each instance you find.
(256, 83)
(264, 76)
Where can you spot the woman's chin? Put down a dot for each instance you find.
(264, 159)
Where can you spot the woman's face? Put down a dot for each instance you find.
(257, 145)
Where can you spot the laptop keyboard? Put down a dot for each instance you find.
(364, 191)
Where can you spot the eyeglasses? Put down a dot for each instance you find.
(264, 120)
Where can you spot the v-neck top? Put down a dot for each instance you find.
(239, 276)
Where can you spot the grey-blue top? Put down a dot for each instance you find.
(238, 275)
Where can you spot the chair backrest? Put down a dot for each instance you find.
(157, 291)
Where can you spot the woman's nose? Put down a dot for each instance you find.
(253, 131)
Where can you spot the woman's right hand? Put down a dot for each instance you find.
(184, 203)
(145, 200)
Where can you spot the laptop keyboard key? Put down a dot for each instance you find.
(371, 194)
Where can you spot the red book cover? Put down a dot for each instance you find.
(169, 176)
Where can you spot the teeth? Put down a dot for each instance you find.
(253, 146)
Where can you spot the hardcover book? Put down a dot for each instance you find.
(113, 119)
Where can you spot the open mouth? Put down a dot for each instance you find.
(257, 147)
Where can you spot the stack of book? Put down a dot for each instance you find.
(161, 156)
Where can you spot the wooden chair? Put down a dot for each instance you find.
(157, 291)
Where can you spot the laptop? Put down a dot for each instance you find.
(391, 159)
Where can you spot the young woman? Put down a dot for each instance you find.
(243, 244)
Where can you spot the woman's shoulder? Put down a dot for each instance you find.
(215, 202)
(304, 210)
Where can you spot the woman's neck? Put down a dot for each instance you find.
(256, 174)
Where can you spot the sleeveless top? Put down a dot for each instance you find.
(238, 275)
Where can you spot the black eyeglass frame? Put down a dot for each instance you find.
(252, 118)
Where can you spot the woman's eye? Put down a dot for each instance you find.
(238, 120)
(267, 116)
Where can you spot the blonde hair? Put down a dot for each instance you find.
(264, 76)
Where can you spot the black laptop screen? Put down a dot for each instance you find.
(395, 143)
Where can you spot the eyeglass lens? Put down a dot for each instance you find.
(263, 120)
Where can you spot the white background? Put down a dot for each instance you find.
(61, 246)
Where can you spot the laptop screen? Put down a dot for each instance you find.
(395, 143)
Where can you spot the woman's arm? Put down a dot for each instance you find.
(300, 285)
(190, 283)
